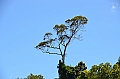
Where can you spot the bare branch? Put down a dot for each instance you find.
(60, 49)
(52, 47)
(52, 53)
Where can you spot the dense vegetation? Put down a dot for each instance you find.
(101, 71)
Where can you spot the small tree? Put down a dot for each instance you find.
(32, 76)
(65, 33)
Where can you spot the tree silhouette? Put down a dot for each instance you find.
(64, 34)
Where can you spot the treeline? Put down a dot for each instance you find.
(101, 71)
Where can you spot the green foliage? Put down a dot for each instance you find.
(105, 71)
(101, 71)
(65, 33)
(31, 76)
(69, 72)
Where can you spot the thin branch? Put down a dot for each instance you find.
(73, 33)
(60, 49)
(63, 44)
(52, 53)
(52, 47)
(60, 43)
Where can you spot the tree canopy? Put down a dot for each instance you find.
(101, 71)
(32, 76)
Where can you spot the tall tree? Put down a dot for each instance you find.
(64, 35)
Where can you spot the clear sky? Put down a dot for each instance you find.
(24, 22)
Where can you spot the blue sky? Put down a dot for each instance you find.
(24, 22)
